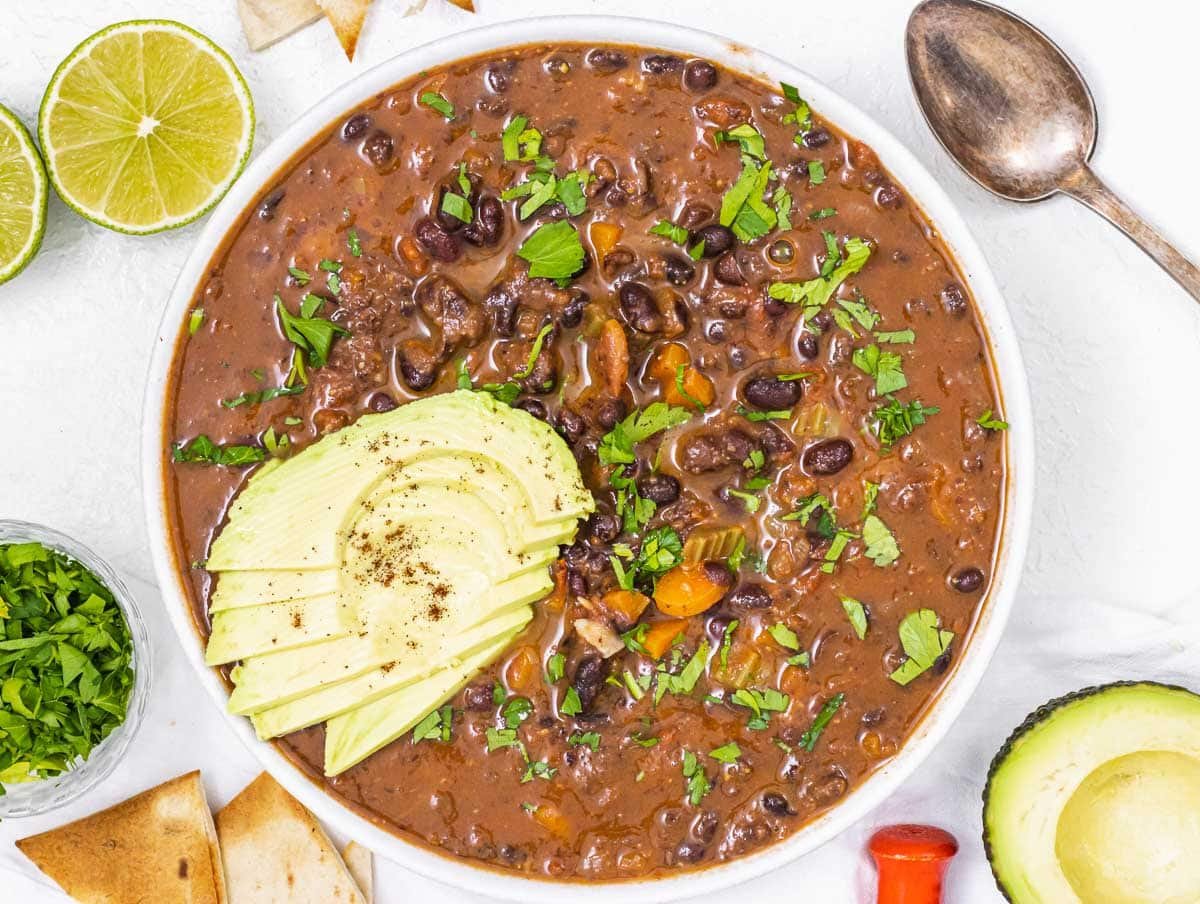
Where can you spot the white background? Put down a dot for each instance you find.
(1111, 344)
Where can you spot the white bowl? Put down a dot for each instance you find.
(921, 186)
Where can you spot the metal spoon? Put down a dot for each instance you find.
(1016, 115)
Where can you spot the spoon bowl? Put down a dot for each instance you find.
(1016, 114)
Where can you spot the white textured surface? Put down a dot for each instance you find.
(1108, 339)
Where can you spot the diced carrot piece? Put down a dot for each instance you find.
(665, 369)
(691, 588)
(413, 256)
(604, 237)
(661, 635)
(550, 818)
(612, 357)
(523, 670)
(558, 596)
(627, 605)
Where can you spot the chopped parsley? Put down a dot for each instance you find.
(816, 172)
(554, 668)
(746, 137)
(438, 102)
(837, 546)
(881, 546)
(311, 335)
(543, 186)
(988, 422)
(742, 208)
(65, 672)
(520, 143)
(201, 449)
(553, 251)
(823, 214)
(436, 726)
(458, 207)
(584, 739)
(896, 337)
(616, 446)
(515, 711)
(815, 293)
(698, 784)
(537, 769)
(895, 419)
(571, 704)
(726, 753)
(761, 703)
(749, 501)
(886, 367)
(301, 277)
(825, 526)
(808, 740)
(923, 642)
(854, 310)
(857, 613)
(802, 115)
(782, 200)
(643, 741)
(785, 637)
(727, 641)
(684, 682)
(669, 230)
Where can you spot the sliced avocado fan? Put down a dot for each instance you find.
(366, 579)
(1095, 799)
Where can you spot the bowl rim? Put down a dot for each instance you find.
(1012, 387)
(48, 794)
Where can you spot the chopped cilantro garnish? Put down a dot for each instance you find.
(203, 449)
(669, 230)
(685, 682)
(808, 740)
(882, 548)
(195, 321)
(896, 337)
(584, 739)
(757, 416)
(515, 711)
(807, 507)
(727, 641)
(747, 138)
(65, 672)
(698, 784)
(785, 637)
(616, 447)
(894, 420)
(311, 335)
(680, 372)
(856, 310)
(743, 208)
(458, 207)
(761, 703)
(554, 668)
(782, 200)
(353, 242)
(802, 115)
(438, 102)
(436, 726)
(520, 143)
(538, 769)
(988, 422)
(836, 547)
(263, 395)
(534, 352)
(815, 293)
(553, 251)
(886, 367)
(857, 613)
(499, 738)
(823, 213)
(726, 753)
(571, 704)
(816, 172)
(923, 642)
(301, 277)
(749, 500)
(642, 741)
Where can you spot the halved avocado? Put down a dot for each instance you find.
(1095, 799)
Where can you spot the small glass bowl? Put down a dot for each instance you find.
(43, 795)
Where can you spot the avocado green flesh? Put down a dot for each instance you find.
(1097, 800)
(346, 465)
(377, 570)
(351, 738)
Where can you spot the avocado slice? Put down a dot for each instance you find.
(1095, 799)
(262, 682)
(272, 627)
(235, 589)
(354, 736)
(347, 466)
(333, 700)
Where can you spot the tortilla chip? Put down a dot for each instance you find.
(346, 17)
(275, 851)
(158, 846)
(266, 21)
(361, 864)
(468, 5)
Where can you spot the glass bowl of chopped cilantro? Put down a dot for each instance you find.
(74, 669)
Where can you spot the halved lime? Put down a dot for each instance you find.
(22, 196)
(145, 126)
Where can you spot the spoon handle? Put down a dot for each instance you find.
(1083, 185)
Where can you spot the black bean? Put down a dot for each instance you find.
(690, 852)
(889, 197)
(699, 75)
(532, 407)
(478, 697)
(604, 526)
(822, 320)
(781, 252)
(772, 394)
(513, 854)
(660, 488)
(716, 331)
(718, 574)
(775, 440)
(738, 355)
(776, 803)
(701, 452)
(954, 299)
(495, 107)
(577, 583)
(773, 307)
(941, 663)
(378, 147)
(717, 626)
(875, 716)
(728, 270)
(692, 214)
(679, 269)
(458, 317)
(487, 225)
(497, 79)
(615, 196)
(638, 308)
(606, 59)
(570, 425)
(418, 366)
(815, 138)
(609, 412)
(501, 304)
(589, 678)
(705, 826)
(661, 64)
(266, 207)
(717, 239)
(617, 260)
(736, 445)
(824, 790)
(968, 580)
(828, 456)
(380, 402)
(750, 596)
(557, 67)
(807, 346)
(572, 312)
(440, 244)
(355, 126)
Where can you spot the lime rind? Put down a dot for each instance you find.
(182, 174)
(36, 205)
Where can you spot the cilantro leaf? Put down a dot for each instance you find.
(895, 420)
(669, 230)
(553, 251)
(201, 449)
(988, 422)
(808, 740)
(616, 446)
(436, 101)
(698, 784)
(726, 753)
(882, 548)
(923, 642)
(886, 367)
(857, 613)
(815, 293)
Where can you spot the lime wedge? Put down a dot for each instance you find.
(22, 197)
(145, 126)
